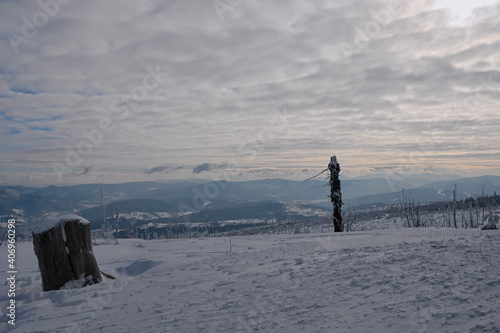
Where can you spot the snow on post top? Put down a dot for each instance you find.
(333, 161)
(51, 223)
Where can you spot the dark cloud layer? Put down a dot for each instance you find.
(201, 168)
(204, 167)
(162, 168)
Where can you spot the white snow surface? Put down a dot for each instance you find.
(492, 221)
(50, 223)
(398, 280)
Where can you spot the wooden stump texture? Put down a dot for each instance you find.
(63, 247)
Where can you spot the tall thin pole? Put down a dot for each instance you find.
(335, 195)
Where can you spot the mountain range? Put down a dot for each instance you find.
(198, 201)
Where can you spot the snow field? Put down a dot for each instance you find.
(398, 280)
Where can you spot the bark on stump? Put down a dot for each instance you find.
(63, 247)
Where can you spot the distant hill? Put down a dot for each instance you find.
(158, 201)
(436, 191)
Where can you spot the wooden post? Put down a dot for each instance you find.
(63, 247)
(335, 194)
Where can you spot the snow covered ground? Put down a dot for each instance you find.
(397, 280)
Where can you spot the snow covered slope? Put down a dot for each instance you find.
(400, 280)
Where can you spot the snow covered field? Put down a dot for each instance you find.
(398, 280)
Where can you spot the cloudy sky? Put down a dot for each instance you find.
(116, 91)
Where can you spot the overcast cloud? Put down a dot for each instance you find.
(102, 91)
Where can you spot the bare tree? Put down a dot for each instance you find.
(176, 228)
(405, 208)
(206, 225)
(350, 219)
(454, 207)
(471, 214)
(116, 225)
(482, 199)
(418, 222)
(131, 229)
(215, 225)
(103, 217)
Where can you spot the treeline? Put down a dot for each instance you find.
(468, 213)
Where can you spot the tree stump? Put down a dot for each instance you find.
(63, 247)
